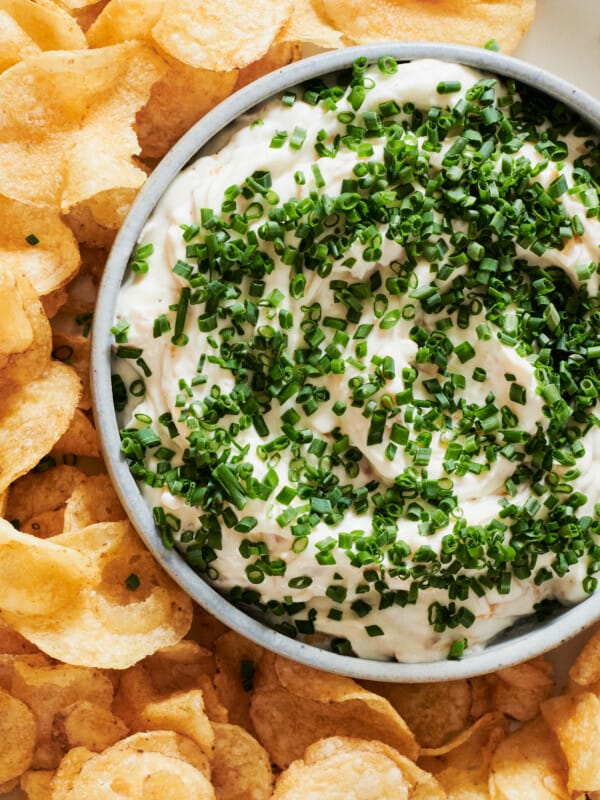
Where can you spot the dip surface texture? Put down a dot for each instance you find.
(357, 361)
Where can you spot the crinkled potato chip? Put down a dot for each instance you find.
(309, 705)
(52, 257)
(84, 103)
(575, 720)
(529, 761)
(93, 500)
(16, 332)
(433, 711)
(121, 772)
(29, 364)
(344, 768)
(15, 43)
(170, 744)
(220, 36)
(87, 724)
(18, 734)
(33, 417)
(80, 438)
(240, 766)
(49, 27)
(39, 577)
(37, 784)
(132, 608)
(520, 689)
(236, 659)
(37, 492)
(183, 713)
(472, 22)
(306, 24)
(68, 772)
(123, 20)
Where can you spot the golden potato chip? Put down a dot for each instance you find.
(51, 259)
(352, 768)
(87, 724)
(183, 713)
(179, 99)
(42, 491)
(473, 23)
(80, 439)
(7, 665)
(179, 667)
(307, 24)
(134, 692)
(28, 365)
(12, 643)
(45, 525)
(309, 705)
(124, 20)
(17, 732)
(84, 103)
(585, 671)
(462, 766)
(75, 351)
(54, 301)
(433, 711)
(223, 36)
(575, 720)
(240, 765)
(38, 577)
(49, 27)
(123, 772)
(15, 43)
(278, 55)
(132, 608)
(171, 744)
(520, 689)
(68, 771)
(33, 417)
(16, 333)
(236, 659)
(93, 500)
(37, 784)
(529, 761)
(48, 690)
(206, 629)
(87, 16)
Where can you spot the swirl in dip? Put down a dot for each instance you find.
(357, 361)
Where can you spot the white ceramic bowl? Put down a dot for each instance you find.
(525, 640)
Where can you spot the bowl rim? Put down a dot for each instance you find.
(528, 644)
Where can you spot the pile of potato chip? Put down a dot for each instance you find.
(112, 685)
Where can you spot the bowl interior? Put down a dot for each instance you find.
(525, 640)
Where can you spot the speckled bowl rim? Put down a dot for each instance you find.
(514, 647)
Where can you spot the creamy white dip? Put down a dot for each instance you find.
(423, 417)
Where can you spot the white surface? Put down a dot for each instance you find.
(565, 39)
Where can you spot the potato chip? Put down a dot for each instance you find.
(12, 643)
(33, 417)
(49, 27)
(307, 24)
(7, 665)
(575, 721)
(223, 36)
(16, 333)
(123, 772)
(134, 692)
(179, 667)
(17, 732)
(353, 769)
(132, 609)
(171, 744)
(87, 724)
(586, 669)
(277, 56)
(37, 784)
(75, 351)
(124, 20)
(53, 302)
(179, 99)
(206, 629)
(42, 491)
(93, 500)
(45, 525)
(472, 23)
(89, 14)
(309, 705)
(15, 44)
(183, 713)
(240, 766)
(433, 711)
(236, 659)
(51, 259)
(80, 439)
(529, 760)
(84, 103)
(68, 772)
(38, 577)
(520, 689)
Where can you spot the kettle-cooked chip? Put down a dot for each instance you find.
(48, 26)
(37, 492)
(123, 20)
(18, 733)
(85, 723)
(80, 439)
(36, 242)
(306, 24)
(33, 417)
(241, 767)
(470, 22)
(15, 43)
(93, 500)
(220, 36)
(132, 608)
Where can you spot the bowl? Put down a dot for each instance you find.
(524, 640)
